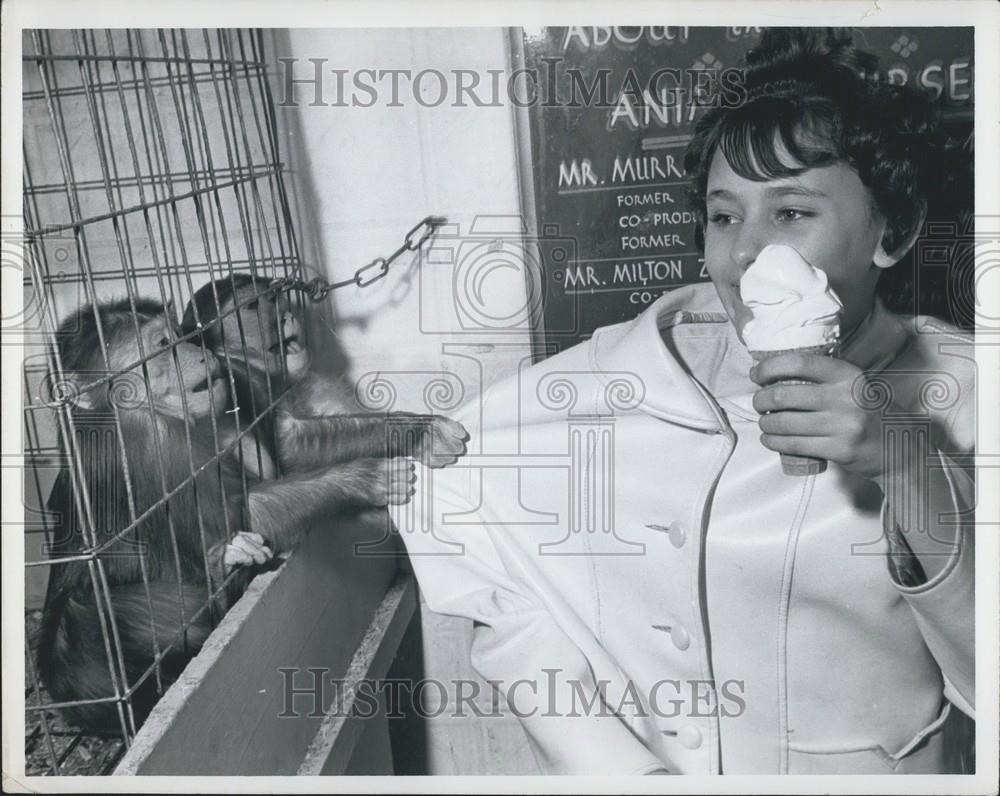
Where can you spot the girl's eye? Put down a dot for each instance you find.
(792, 214)
(163, 342)
(720, 219)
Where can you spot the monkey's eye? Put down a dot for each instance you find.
(163, 342)
(252, 306)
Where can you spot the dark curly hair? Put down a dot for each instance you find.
(813, 91)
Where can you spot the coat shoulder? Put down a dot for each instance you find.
(523, 394)
(938, 361)
(937, 347)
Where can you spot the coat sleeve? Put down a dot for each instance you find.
(518, 646)
(944, 603)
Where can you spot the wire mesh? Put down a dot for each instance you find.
(151, 167)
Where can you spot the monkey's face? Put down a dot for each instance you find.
(183, 383)
(271, 338)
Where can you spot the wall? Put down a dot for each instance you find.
(362, 178)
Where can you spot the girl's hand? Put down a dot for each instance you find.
(821, 419)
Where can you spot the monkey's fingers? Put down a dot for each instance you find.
(437, 462)
(444, 454)
(245, 550)
(445, 443)
(259, 544)
(402, 476)
(233, 557)
(290, 325)
(450, 428)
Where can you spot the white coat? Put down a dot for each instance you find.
(651, 592)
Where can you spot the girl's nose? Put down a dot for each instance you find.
(748, 245)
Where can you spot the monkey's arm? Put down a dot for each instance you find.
(283, 509)
(309, 442)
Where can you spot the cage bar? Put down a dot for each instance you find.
(151, 167)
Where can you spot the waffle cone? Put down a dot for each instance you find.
(790, 464)
(827, 349)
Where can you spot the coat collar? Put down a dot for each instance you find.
(637, 348)
(691, 363)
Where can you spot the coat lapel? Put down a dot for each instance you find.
(667, 389)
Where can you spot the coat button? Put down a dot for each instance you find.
(689, 737)
(680, 637)
(674, 531)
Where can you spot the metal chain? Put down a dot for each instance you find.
(317, 289)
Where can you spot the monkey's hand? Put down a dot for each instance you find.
(244, 550)
(442, 442)
(296, 354)
(388, 481)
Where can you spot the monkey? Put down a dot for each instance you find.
(188, 531)
(318, 421)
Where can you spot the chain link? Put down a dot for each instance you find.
(317, 289)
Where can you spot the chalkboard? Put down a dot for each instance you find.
(602, 177)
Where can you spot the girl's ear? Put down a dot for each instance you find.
(883, 259)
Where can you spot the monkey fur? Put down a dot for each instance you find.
(318, 422)
(174, 421)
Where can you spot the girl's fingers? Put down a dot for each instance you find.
(817, 447)
(790, 396)
(808, 367)
(804, 424)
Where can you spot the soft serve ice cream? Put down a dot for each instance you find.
(792, 303)
(794, 309)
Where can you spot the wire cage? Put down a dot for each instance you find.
(151, 168)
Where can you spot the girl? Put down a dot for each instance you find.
(651, 593)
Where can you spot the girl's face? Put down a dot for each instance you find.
(824, 213)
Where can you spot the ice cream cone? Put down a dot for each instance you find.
(791, 302)
(791, 464)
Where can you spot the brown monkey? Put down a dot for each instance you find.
(318, 421)
(156, 573)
